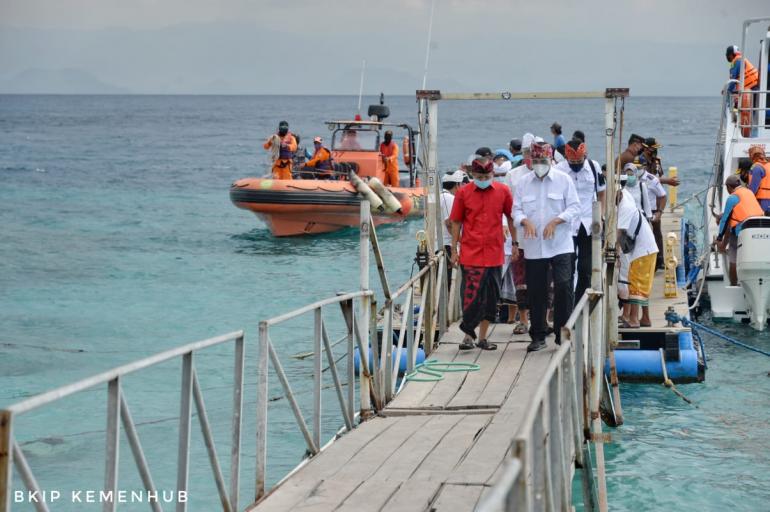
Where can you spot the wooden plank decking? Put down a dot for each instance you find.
(437, 446)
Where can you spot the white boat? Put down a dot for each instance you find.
(749, 300)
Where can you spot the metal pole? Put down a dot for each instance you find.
(112, 449)
(235, 446)
(262, 383)
(185, 415)
(317, 369)
(6, 460)
(366, 404)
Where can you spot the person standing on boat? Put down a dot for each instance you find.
(739, 206)
(589, 182)
(750, 83)
(283, 145)
(320, 164)
(638, 251)
(546, 206)
(389, 152)
(476, 213)
(759, 181)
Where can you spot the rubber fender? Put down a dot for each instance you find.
(392, 205)
(363, 189)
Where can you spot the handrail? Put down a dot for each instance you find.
(118, 413)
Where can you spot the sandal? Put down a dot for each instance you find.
(467, 343)
(520, 328)
(486, 345)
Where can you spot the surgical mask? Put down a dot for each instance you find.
(631, 181)
(482, 184)
(576, 167)
(541, 169)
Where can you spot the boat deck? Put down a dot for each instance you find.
(438, 446)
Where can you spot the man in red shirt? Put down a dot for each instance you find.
(477, 212)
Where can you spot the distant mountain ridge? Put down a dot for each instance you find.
(57, 81)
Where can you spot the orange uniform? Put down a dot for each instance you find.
(390, 156)
(282, 164)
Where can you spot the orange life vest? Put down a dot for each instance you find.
(751, 78)
(747, 206)
(763, 192)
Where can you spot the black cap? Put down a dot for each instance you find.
(485, 152)
(579, 135)
(515, 145)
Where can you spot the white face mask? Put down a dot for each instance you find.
(541, 169)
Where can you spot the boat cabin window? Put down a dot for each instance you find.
(355, 140)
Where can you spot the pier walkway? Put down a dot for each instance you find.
(437, 446)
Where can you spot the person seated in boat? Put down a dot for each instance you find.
(349, 141)
(283, 145)
(638, 251)
(389, 152)
(739, 206)
(759, 181)
(320, 166)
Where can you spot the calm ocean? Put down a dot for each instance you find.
(119, 241)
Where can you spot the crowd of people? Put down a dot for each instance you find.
(518, 222)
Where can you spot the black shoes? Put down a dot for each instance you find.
(536, 345)
(486, 345)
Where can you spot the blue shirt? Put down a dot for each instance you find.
(757, 174)
(729, 205)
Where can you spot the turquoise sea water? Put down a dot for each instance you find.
(119, 240)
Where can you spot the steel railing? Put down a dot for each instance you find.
(562, 418)
(118, 413)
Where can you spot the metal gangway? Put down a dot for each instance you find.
(558, 431)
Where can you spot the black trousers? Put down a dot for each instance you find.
(582, 261)
(537, 287)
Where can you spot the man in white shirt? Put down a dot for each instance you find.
(546, 205)
(589, 182)
(519, 266)
(637, 260)
(450, 183)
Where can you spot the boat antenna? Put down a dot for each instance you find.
(361, 85)
(427, 50)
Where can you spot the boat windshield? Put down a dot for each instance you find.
(355, 140)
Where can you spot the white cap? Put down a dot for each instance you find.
(454, 177)
(527, 140)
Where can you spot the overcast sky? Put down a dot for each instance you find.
(672, 47)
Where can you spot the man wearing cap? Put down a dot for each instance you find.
(759, 181)
(320, 165)
(545, 206)
(519, 266)
(589, 183)
(389, 152)
(450, 184)
(283, 145)
(476, 212)
(739, 206)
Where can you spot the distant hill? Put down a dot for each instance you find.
(57, 81)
